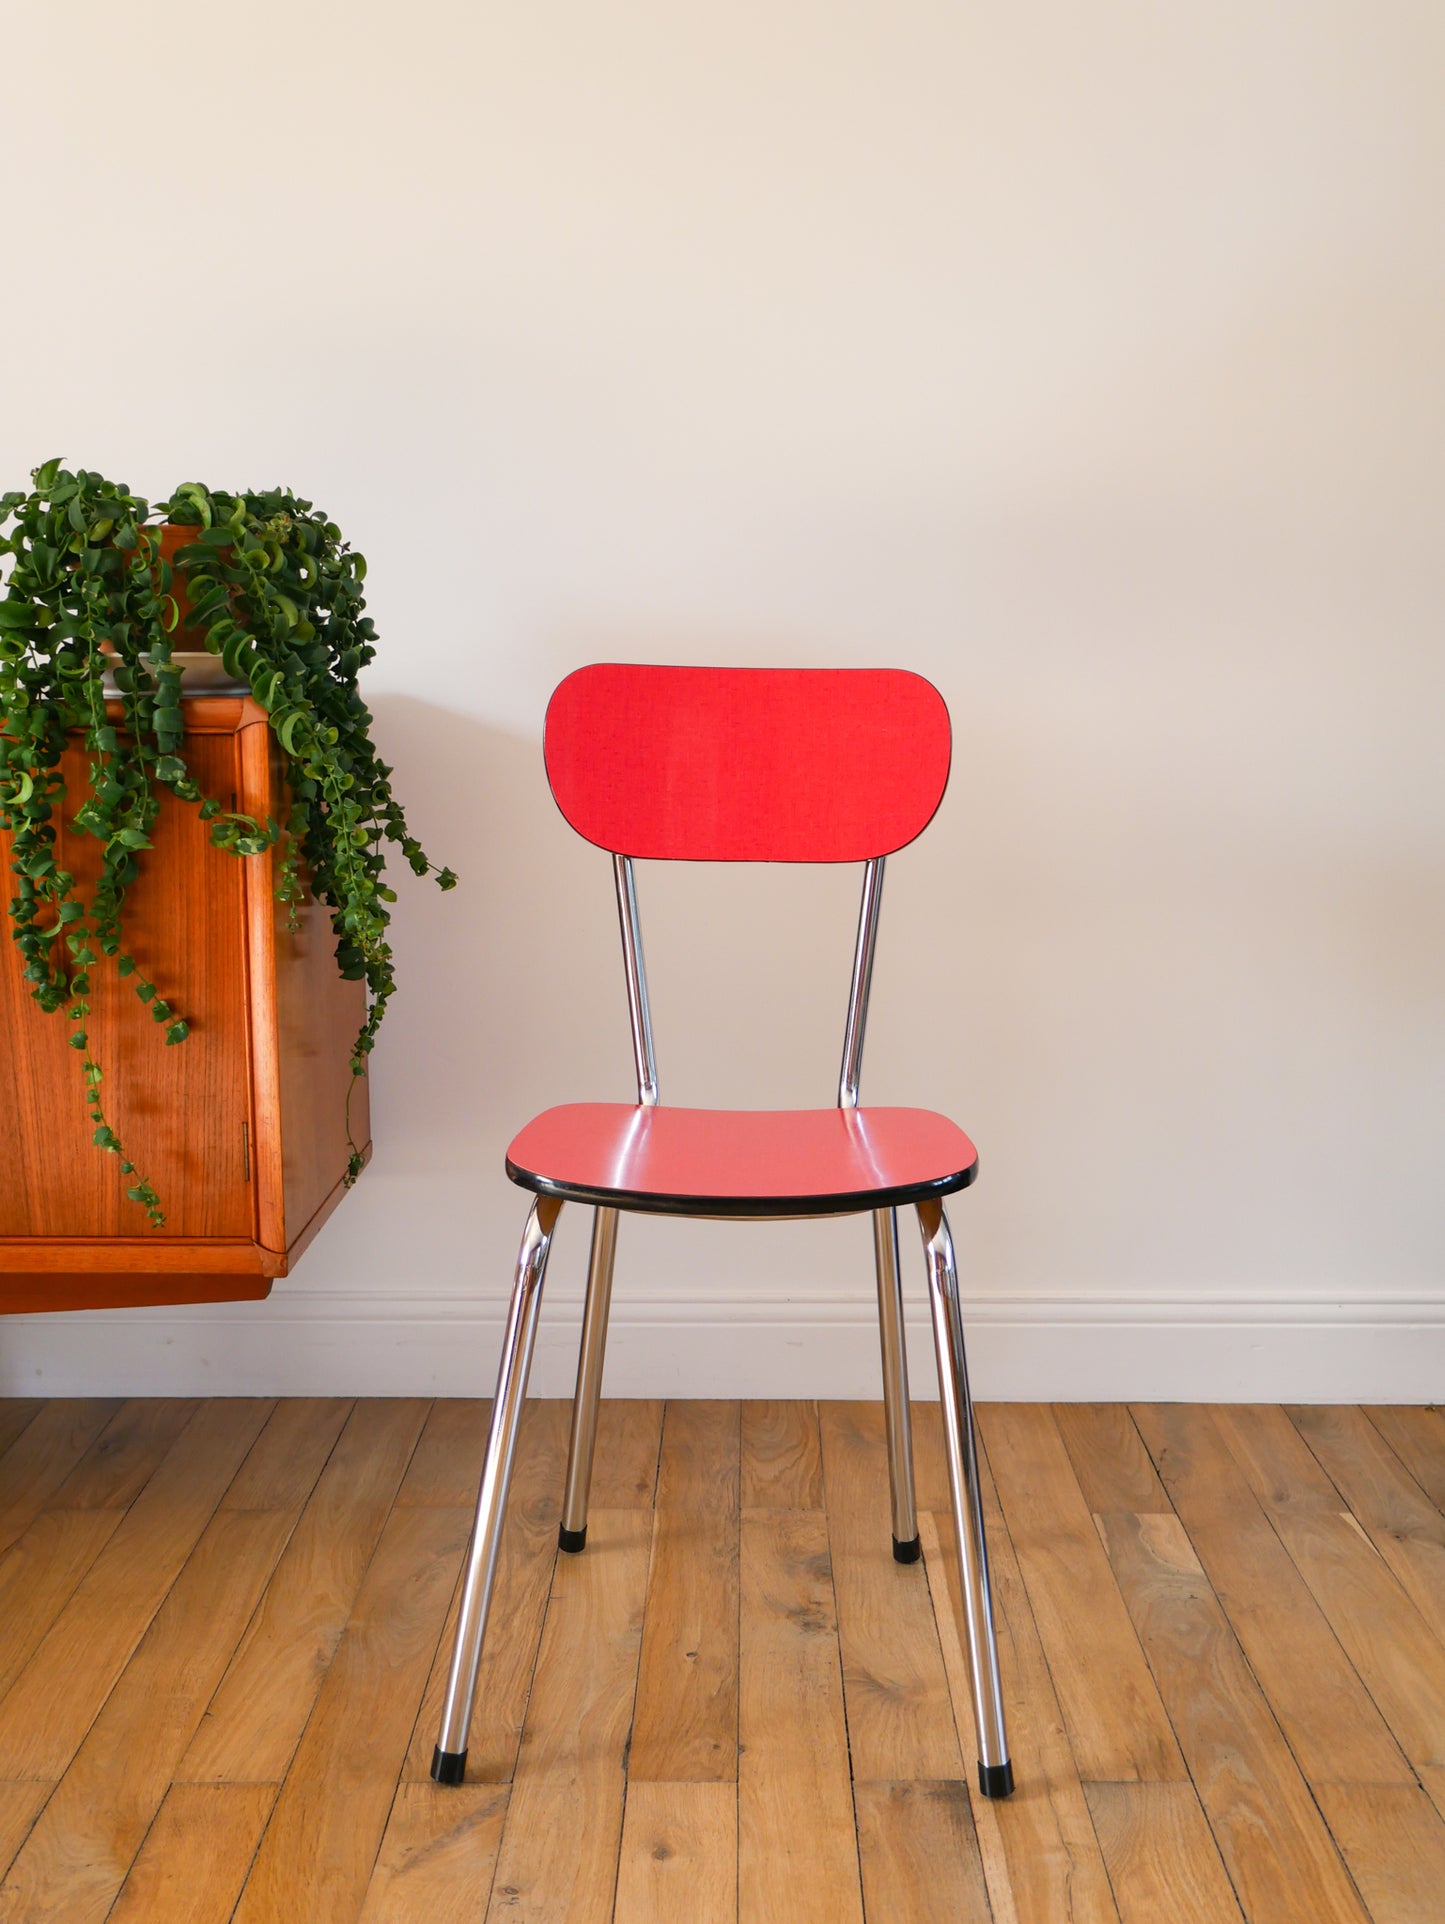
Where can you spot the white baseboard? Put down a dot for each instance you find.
(1041, 1348)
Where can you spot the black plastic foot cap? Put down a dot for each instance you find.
(448, 1766)
(907, 1552)
(571, 1540)
(996, 1780)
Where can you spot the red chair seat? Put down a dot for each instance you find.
(730, 1162)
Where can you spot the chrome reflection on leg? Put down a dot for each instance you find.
(895, 1385)
(573, 1532)
(450, 1756)
(861, 985)
(995, 1773)
(639, 1010)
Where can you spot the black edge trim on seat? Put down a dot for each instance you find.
(853, 1202)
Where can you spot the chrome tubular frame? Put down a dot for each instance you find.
(637, 1005)
(995, 1772)
(572, 1535)
(896, 1414)
(851, 1072)
(897, 1417)
(449, 1759)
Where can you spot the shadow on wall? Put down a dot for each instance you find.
(503, 977)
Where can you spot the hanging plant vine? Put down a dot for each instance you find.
(266, 583)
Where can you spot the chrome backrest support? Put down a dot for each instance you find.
(863, 952)
(639, 1014)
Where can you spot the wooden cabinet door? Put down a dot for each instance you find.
(183, 1111)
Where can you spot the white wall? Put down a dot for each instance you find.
(1088, 360)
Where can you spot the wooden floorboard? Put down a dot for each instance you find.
(225, 1628)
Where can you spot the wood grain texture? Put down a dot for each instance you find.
(1280, 1857)
(446, 1466)
(44, 1718)
(1162, 1858)
(900, 1718)
(519, 1603)
(1329, 1718)
(43, 1456)
(797, 1855)
(77, 1856)
(1109, 1458)
(305, 1020)
(1417, 1436)
(20, 1805)
(629, 1439)
(1393, 1839)
(1119, 1734)
(564, 1821)
(782, 1459)
(126, 1454)
(196, 1855)
(261, 1707)
(685, 1728)
(179, 1111)
(919, 1855)
(272, 1026)
(16, 1415)
(1398, 1655)
(289, 1454)
(1403, 1524)
(321, 1844)
(930, 1464)
(39, 1575)
(437, 1856)
(679, 1856)
(1040, 1856)
(158, 1534)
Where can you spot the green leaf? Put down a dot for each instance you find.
(177, 1032)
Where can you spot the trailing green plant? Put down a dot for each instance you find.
(276, 593)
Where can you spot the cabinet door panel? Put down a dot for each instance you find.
(182, 1111)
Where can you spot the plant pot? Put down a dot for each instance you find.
(202, 673)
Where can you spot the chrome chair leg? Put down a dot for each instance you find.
(995, 1772)
(897, 1420)
(449, 1759)
(572, 1535)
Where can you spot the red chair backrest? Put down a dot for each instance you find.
(747, 764)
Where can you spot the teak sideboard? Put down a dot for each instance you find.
(242, 1127)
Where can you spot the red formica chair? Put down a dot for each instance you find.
(742, 765)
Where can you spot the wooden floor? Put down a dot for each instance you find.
(223, 1628)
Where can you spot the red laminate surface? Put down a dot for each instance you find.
(744, 1162)
(747, 764)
